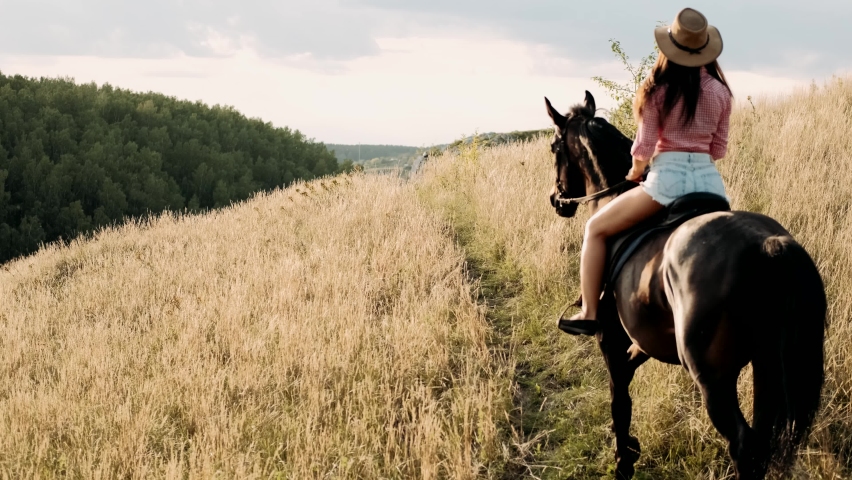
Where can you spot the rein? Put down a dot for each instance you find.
(621, 187)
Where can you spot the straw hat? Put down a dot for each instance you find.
(689, 41)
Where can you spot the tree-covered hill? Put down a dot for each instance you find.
(76, 157)
(492, 139)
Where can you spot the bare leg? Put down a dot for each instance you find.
(618, 215)
(592, 263)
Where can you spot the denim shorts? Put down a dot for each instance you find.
(674, 174)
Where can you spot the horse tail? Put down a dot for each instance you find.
(788, 363)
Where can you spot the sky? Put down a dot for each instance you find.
(414, 72)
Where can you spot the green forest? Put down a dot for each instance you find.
(74, 158)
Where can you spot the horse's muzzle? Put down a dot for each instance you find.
(566, 210)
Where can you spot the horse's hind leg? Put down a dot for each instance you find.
(720, 397)
(714, 365)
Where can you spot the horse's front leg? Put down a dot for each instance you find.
(622, 365)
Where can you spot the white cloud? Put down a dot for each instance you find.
(416, 91)
(745, 84)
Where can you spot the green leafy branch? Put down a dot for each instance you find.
(623, 93)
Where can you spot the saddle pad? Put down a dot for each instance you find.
(621, 247)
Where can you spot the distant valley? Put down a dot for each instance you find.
(401, 159)
(378, 157)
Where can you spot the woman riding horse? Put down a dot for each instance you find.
(718, 292)
(683, 110)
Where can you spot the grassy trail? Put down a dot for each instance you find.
(535, 428)
(788, 158)
(559, 413)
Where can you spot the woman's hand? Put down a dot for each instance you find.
(637, 170)
(635, 175)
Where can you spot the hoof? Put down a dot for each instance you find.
(626, 457)
(625, 472)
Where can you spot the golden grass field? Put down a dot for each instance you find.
(366, 327)
(329, 333)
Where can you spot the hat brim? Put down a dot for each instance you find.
(708, 54)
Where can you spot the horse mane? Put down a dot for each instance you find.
(609, 149)
(581, 110)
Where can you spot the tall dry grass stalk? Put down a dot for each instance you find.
(324, 331)
(790, 157)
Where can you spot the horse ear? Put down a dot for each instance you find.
(590, 102)
(558, 119)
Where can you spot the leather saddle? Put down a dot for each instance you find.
(622, 246)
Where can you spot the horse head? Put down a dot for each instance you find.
(590, 154)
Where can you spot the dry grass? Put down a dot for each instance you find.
(324, 334)
(790, 158)
(366, 328)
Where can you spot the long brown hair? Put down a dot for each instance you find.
(680, 83)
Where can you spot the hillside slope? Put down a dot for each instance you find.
(324, 330)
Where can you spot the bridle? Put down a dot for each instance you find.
(614, 190)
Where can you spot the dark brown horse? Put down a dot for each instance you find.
(720, 291)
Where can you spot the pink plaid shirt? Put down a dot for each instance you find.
(707, 133)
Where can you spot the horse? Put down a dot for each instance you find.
(718, 292)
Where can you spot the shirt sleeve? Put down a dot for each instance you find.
(719, 145)
(648, 131)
